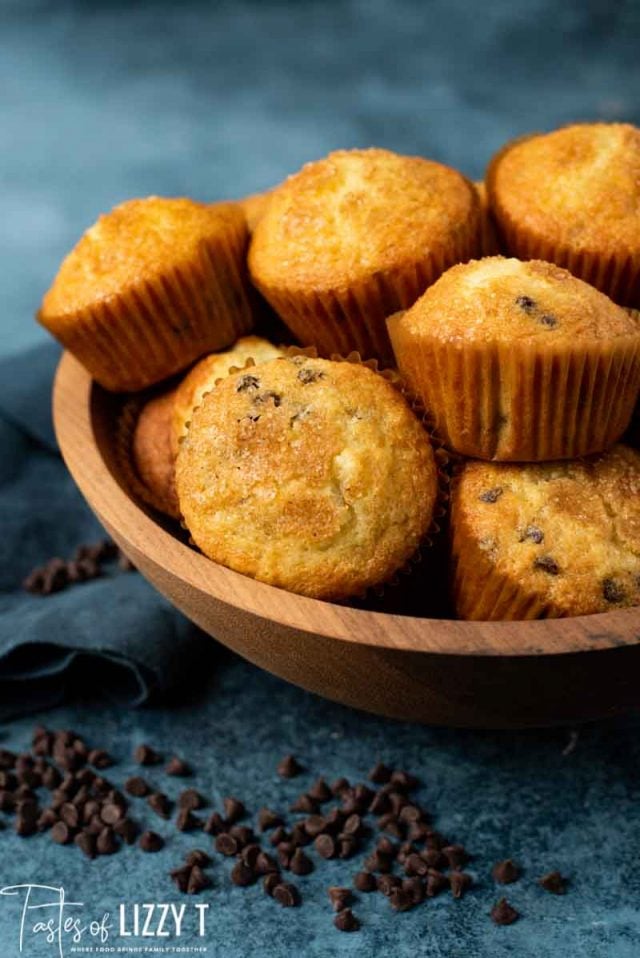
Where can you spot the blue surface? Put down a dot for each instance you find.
(103, 101)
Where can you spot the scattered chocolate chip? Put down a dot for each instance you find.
(215, 824)
(414, 887)
(110, 814)
(247, 382)
(491, 495)
(86, 842)
(352, 825)
(99, 758)
(416, 865)
(151, 842)
(613, 591)
(145, 755)
(339, 786)
(308, 375)
(286, 895)
(304, 803)
(285, 852)
(503, 913)
(526, 303)
(278, 836)
(347, 845)
(160, 804)
(505, 872)
(378, 862)
(187, 821)
(314, 825)
(106, 843)
(271, 882)
(178, 767)
(300, 835)
(197, 880)
(61, 833)
(386, 883)
(339, 897)
(546, 564)
(137, 787)
(386, 847)
(265, 864)
(433, 858)
(242, 833)
(180, 876)
(268, 819)
(548, 320)
(289, 767)
(320, 791)
(127, 830)
(325, 845)
(249, 855)
(400, 899)
(70, 815)
(364, 881)
(455, 855)
(436, 883)
(47, 819)
(227, 845)
(533, 534)
(554, 882)
(459, 882)
(300, 863)
(345, 920)
(234, 810)
(380, 774)
(197, 857)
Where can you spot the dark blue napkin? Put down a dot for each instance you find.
(113, 637)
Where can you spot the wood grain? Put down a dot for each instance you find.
(481, 674)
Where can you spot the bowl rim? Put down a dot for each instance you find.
(77, 405)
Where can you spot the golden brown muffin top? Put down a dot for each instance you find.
(152, 454)
(579, 185)
(503, 300)
(206, 373)
(358, 211)
(309, 474)
(132, 243)
(566, 532)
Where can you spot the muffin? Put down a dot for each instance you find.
(547, 540)
(520, 361)
(354, 237)
(489, 245)
(311, 475)
(149, 288)
(206, 373)
(254, 207)
(573, 197)
(153, 457)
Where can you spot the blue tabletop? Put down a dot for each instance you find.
(105, 101)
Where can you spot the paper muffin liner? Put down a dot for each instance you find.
(524, 402)
(616, 274)
(343, 320)
(159, 326)
(125, 428)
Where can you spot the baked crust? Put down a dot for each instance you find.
(152, 454)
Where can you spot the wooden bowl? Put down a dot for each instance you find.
(476, 674)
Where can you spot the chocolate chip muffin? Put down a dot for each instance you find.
(153, 457)
(573, 197)
(311, 475)
(547, 540)
(520, 361)
(356, 236)
(153, 285)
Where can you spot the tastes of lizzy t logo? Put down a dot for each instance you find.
(46, 914)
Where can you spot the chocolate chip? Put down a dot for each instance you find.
(197, 857)
(70, 815)
(433, 858)
(345, 920)
(353, 825)
(86, 842)
(389, 823)
(380, 804)
(187, 821)
(339, 897)
(111, 813)
(227, 845)
(271, 882)
(548, 320)
(286, 895)
(247, 382)
(386, 883)
(339, 786)
(249, 855)
(380, 774)
(314, 825)
(151, 842)
(547, 564)
(455, 855)
(197, 881)
(459, 882)
(532, 533)
(99, 758)
(526, 303)
(242, 833)
(325, 846)
(304, 803)
(265, 864)
(180, 876)
(503, 913)
(178, 767)
(47, 819)
(414, 887)
(26, 824)
(215, 824)
(279, 835)
(268, 819)
(491, 495)
(386, 847)
(505, 872)
(160, 804)
(51, 778)
(416, 865)
(410, 814)
(554, 882)
(145, 755)
(288, 767)
(364, 881)
(285, 853)
(378, 862)
(127, 830)
(266, 396)
(613, 591)
(233, 809)
(400, 899)
(436, 883)
(106, 843)
(137, 787)
(320, 791)
(7, 759)
(347, 845)
(308, 375)
(300, 863)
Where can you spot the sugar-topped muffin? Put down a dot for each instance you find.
(547, 540)
(206, 373)
(573, 197)
(150, 287)
(354, 237)
(311, 475)
(153, 457)
(520, 361)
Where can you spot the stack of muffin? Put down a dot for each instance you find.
(321, 476)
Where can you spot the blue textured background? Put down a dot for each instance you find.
(102, 101)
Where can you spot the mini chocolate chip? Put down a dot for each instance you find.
(304, 803)
(288, 767)
(215, 824)
(247, 382)
(51, 778)
(455, 855)
(308, 375)
(279, 835)
(70, 815)
(613, 591)
(410, 814)
(300, 863)
(242, 833)
(47, 819)
(414, 887)
(491, 495)
(533, 533)
(61, 833)
(547, 564)
(249, 855)
(178, 767)
(548, 320)
(526, 303)
(400, 899)
(271, 882)
(554, 882)
(325, 846)
(145, 755)
(197, 857)
(314, 825)
(436, 883)
(266, 396)
(137, 787)
(345, 920)
(386, 883)
(181, 877)
(233, 809)
(503, 913)
(459, 882)
(299, 834)
(433, 857)
(380, 804)
(127, 830)
(151, 842)
(160, 804)
(111, 814)
(505, 872)
(386, 846)
(106, 843)
(378, 862)
(265, 864)
(86, 842)
(268, 819)
(364, 881)
(389, 823)
(380, 774)
(339, 897)
(197, 881)
(227, 845)
(26, 825)
(353, 825)
(339, 786)
(320, 791)
(187, 821)
(416, 865)
(286, 895)
(347, 845)
(99, 758)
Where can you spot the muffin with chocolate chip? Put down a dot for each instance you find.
(573, 197)
(206, 373)
(548, 539)
(153, 456)
(353, 237)
(311, 475)
(520, 361)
